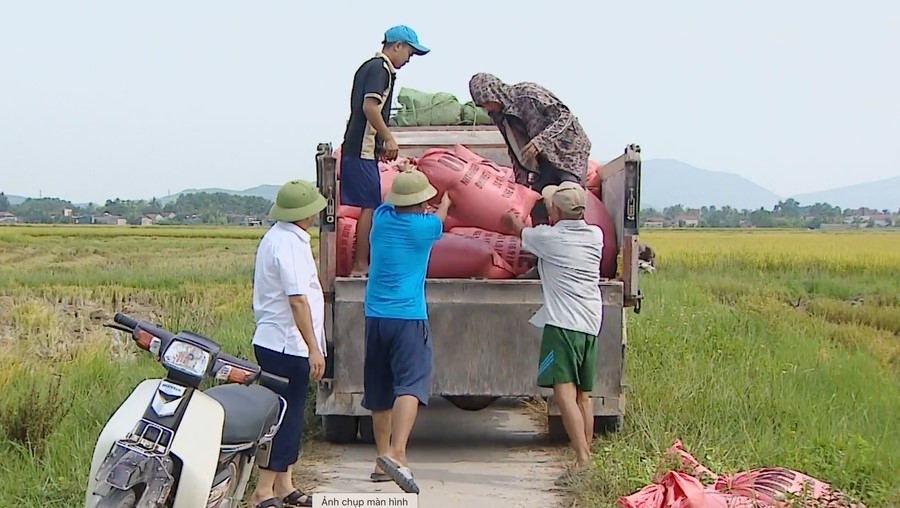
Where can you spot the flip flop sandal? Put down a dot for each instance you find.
(294, 499)
(379, 477)
(270, 503)
(568, 478)
(402, 476)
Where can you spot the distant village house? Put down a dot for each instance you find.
(8, 218)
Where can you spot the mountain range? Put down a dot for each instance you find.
(668, 182)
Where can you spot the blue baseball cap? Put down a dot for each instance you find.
(403, 33)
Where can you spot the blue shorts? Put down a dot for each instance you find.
(360, 183)
(398, 362)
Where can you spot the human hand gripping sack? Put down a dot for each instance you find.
(511, 222)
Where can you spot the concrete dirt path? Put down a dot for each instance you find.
(496, 457)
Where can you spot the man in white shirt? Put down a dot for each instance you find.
(569, 254)
(290, 331)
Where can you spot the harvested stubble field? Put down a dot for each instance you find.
(754, 348)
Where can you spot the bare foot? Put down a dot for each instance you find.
(360, 272)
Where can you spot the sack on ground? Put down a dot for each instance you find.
(509, 247)
(346, 246)
(480, 191)
(426, 109)
(458, 257)
(596, 214)
(684, 487)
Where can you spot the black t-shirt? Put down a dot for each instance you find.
(375, 79)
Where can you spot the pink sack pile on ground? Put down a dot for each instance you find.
(475, 244)
(757, 488)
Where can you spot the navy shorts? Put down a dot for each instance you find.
(398, 362)
(360, 183)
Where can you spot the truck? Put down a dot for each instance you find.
(484, 347)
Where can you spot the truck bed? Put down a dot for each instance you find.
(483, 343)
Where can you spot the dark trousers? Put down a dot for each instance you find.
(286, 444)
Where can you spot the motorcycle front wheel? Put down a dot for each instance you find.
(116, 498)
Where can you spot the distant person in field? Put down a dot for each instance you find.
(547, 145)
(569, 254)
(367, 138)
(289, 340)
(397, 366)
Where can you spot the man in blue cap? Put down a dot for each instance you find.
(367, 139)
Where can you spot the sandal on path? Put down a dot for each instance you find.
(402, 476)
(297, 499)
(270, 503)
(569, 477)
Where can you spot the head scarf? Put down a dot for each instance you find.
(485, 87)
(547, 120)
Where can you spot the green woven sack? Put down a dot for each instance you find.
(473, 115)
(423, 109)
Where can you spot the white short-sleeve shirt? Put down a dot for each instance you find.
(285, 267)
(569, 255)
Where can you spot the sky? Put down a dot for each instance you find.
(104, 99)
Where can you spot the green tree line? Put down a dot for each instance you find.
(201, 207)
(786, 214)
(214, 208)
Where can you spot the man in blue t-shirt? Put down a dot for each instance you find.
(397, 377)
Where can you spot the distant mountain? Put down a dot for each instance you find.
(263, 191)
(15, 200)
(668, 182)
(883, 194)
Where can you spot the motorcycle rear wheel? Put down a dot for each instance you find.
(116, 498)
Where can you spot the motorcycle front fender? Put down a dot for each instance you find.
(196, 444)
(119, 425)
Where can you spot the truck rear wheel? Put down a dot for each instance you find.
(340, 429)
(602, 425)
(366, 430)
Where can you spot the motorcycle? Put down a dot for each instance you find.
(171, 444)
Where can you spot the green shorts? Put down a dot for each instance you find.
(567, 357)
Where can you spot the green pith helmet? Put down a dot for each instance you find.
(297, 200)
(411, 187)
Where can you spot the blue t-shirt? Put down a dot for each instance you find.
(399, 250)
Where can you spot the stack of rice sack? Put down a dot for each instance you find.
(475, 244)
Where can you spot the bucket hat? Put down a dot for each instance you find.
(297, 200)
(411, 187)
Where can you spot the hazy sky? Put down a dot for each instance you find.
(134, 99)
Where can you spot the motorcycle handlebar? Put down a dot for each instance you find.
(271, 380)
(265, 378)
(124, 320)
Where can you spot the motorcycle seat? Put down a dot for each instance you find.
(250, 411)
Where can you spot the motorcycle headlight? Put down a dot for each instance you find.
(186, 358)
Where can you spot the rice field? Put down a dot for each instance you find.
(755, 348)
